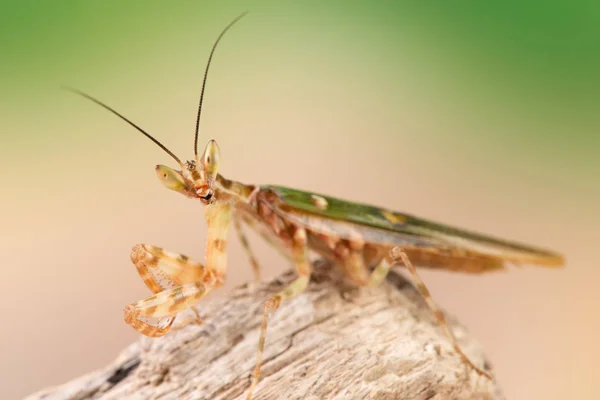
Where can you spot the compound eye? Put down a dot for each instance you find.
(172, 179)
(211, 159)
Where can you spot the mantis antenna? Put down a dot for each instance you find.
(204, 80)
(101, 104)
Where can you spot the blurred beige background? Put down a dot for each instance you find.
(394, 107)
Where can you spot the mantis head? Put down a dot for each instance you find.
(196, 177)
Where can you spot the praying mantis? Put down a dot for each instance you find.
(365, 241)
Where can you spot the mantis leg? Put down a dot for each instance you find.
(354, 267)
(177, 281)
(303, 267)
(247, 249)
(218, 218)
(165, 274)
(397, 256)
(161, 269)
(379, 273)
(154, 316)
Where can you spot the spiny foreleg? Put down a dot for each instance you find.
(161, 269)
(162, 307)
(177, 281)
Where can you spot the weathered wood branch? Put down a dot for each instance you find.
(336, 341)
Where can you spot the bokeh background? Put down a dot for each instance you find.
(478, 115)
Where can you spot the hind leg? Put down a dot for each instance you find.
(397, 256)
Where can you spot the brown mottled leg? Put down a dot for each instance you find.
(396, 256)
(163, 307)
(161, 269)
(303, 267)
(247, 249)
(177, 281)
(148, 326)
(154, 315)
(166, 274)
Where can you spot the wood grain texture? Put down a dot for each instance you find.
(335, 341)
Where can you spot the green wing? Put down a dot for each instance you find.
(412, 226)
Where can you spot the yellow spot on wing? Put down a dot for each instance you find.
(393, 218)
(319, 202)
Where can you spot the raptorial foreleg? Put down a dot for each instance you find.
(176, 280)
(154, 315)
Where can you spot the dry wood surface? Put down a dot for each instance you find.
(335, 341)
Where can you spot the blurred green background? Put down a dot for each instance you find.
(475, 114)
